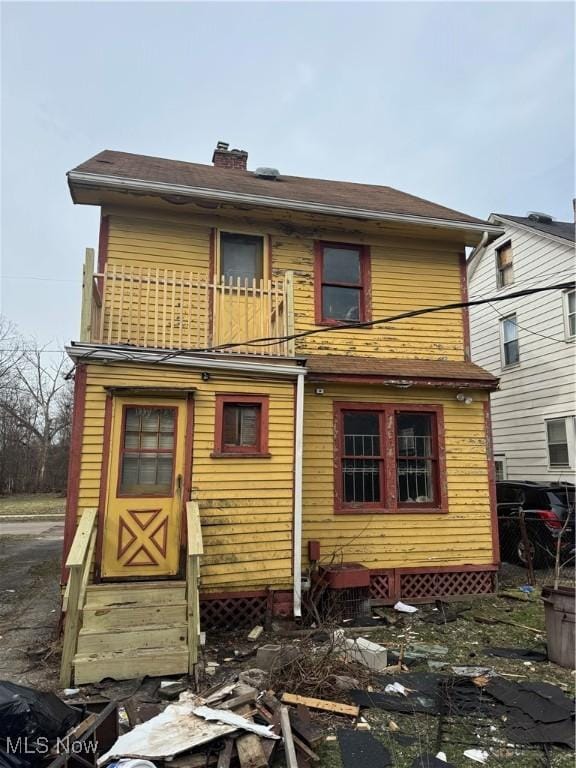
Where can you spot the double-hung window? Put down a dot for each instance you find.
(342, 283)
(559, 434)
(504, 265)
(388, 458)
(509, 338)
(570, 313)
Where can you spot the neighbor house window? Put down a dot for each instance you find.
(500, 467)
(241, 257)
(342, 283)
(241, 425)
(509, 335)
(558, 437)
(504, 266)
(387, 458)
(147, 456)
(570, 313)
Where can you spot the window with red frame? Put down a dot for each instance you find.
(341, 279)
(241, 425)
(369, 477)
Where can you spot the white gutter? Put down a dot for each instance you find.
(297, 532)
(161, 188)
(94, 352)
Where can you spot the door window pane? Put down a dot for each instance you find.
(416, 458)
(241, 257)
(147, 460)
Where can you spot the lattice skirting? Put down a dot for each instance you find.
(238, 610)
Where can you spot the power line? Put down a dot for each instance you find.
(269, 340)
(528, 330)
(35, 277)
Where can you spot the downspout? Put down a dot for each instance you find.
(297, 532)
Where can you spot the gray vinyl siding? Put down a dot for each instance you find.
(542, 385)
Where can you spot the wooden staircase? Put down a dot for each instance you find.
(125, 630)
(130, 628)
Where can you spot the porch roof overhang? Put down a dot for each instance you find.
(85, 352)
(457, 374)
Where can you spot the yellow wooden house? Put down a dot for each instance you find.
(234, 353)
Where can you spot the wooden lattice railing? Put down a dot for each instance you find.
(162, 308)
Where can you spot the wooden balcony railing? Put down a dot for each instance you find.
(178, 309)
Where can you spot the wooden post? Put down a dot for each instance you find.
(289, 310)
(289, 748)
(87, 281)
(78, 564)
(195, 549)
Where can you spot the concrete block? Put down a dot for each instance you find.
(365, 652)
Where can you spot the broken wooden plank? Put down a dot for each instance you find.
(225, 755)
(303, 726)
(327, 706)
(238, 701)
(289, 748)
(249, 747)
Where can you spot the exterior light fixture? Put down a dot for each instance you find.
(463, 398)
(205, 376)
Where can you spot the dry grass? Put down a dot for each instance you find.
(33, 504)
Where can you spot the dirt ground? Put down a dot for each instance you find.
(29, 652)
(30, 602)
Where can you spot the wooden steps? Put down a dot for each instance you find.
(132, 629)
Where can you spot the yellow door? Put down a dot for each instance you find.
(143, 519)
(243, 290)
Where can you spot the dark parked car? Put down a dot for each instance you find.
(549, 514)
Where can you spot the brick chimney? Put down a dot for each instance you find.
(229, 158)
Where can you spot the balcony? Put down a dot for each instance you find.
(174, 309)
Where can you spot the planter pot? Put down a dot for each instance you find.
(559, 617)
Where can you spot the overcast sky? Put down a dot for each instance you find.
(466, 104)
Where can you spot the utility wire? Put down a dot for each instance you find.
(528, 330)
(269, 340)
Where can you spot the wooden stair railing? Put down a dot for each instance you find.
(78, 563)
(194, 550)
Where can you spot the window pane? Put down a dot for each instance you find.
(241, 256)
(361, 480)
(572, 325)
(132, 440)
(166, 440)
(133, 419)
(414, 434)
(556, 431)
(149, 420)
(510, 329)
(415, 481)
(240, 425)
(361, 434)
(559, 455)
(340, 303)
(572, 302)
(341, 265)
(511, 353)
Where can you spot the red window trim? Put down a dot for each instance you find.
(121, 452)
(365, 281)
(390, 504)
(244, 452)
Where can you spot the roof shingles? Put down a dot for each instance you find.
(368, 197)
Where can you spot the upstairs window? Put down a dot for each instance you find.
(342, 283)
(570, 313)
(509, 336)
(241, 257)
(241, 425)
(558, 444)
(504, 266)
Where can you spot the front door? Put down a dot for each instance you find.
(143, 517)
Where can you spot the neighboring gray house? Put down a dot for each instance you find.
(529, 343)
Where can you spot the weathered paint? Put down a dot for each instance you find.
(462, 535)
(406, 274)
(246, 503)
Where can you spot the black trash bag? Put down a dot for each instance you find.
(10, 760)
(34, 715)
